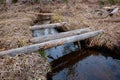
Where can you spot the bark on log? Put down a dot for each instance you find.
(47, 26)
(49, 44)
(59, 35)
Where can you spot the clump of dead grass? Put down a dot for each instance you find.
(14, 25)
(23, 67)
(81, 17)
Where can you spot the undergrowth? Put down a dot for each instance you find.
(42, 53)
(112, 2)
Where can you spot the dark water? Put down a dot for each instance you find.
(86, 65)
(69, 64)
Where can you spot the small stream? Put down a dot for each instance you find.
(68, 62)
(86, 65)
(55, 52)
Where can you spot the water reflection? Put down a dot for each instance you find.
(86, 65)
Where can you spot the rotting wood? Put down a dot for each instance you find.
(49, 44)
(59, 35)
(113, 20)
(36, 27)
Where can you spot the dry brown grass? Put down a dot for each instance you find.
(23, 67)
(14, 32)
(78, 16)
(14, 25)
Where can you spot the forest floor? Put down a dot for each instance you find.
(16, 19)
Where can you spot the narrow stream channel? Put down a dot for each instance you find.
(70, 63)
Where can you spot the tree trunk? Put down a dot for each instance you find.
(47, 26)
(49, 44)
(58, 35)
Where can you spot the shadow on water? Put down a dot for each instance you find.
(86, 65)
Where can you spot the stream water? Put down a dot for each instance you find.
(70, 63)
(86, 65)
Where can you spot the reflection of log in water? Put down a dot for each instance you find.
(74, 57)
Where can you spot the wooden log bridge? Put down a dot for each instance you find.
(36, 27)
(59, 35)
(49, 44)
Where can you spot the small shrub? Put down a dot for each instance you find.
(42, 53)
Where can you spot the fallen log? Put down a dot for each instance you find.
(42, 14)
(49, 44)
(58, 35)
(113, 20)
(36, 27)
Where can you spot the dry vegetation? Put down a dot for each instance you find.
(85, 15)
(14, 32)
(14, 24)
(23, 67)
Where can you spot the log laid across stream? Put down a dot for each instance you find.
(49, 44)
(59, 35)
(36, 27)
